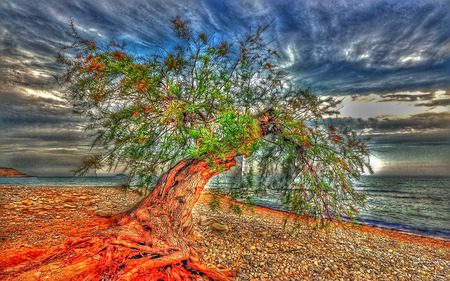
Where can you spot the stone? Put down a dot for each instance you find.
(208, 221)
(103, 213)
(88, 203)
(27, 203)
(219, 227)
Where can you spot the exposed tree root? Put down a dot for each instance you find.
(150, 242)
(105, 256)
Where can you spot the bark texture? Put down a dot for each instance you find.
(152, 241)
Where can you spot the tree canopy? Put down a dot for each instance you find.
(216, 100)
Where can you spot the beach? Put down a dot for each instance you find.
(257, 244)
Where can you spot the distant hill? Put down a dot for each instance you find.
(9, 172)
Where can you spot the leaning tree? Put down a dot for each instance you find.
(182, 117)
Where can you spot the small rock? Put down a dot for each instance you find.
(103, 213)
(208, 221)
(27, 203)
(88, 203)
(219, 226)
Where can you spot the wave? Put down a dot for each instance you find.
(432, 232)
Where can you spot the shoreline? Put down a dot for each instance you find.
(359, 222)
(256, 246)
(343, 251)
(377, 226)
(440, 238)
(353, 225)
(380, 225)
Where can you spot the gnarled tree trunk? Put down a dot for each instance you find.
(152, 241)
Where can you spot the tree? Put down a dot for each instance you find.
(187, 114)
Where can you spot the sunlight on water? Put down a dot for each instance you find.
(376, 163)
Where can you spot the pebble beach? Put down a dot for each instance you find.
(258, 244)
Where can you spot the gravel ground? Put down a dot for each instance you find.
(263, 249)
(257, 244)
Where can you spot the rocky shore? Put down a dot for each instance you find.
(257, 245)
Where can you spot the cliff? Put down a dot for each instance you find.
(9, 172)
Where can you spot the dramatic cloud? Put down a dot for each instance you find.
(436, 123)
(418, 145)
(374, 54)
(43, 149)
(394, 105)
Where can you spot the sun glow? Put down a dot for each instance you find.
(43, 94)
(375, 163)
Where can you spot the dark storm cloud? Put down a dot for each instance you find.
(406, 97)
(43, 149)
(372, 46)
(41, 134)
(431, 122)
(336, 47)
(423, 121)
(418, 145)
(18, 109)
(42, 162)
(445, 102)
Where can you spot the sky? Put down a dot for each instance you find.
(388, 61)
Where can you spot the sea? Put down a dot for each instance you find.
(414, 204)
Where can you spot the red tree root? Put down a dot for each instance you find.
(150, 242)
(122, 252)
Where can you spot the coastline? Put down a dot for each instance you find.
(381, 228)
(257, 246)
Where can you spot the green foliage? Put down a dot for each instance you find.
(216, 100)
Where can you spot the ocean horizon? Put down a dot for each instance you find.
(413, 204)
